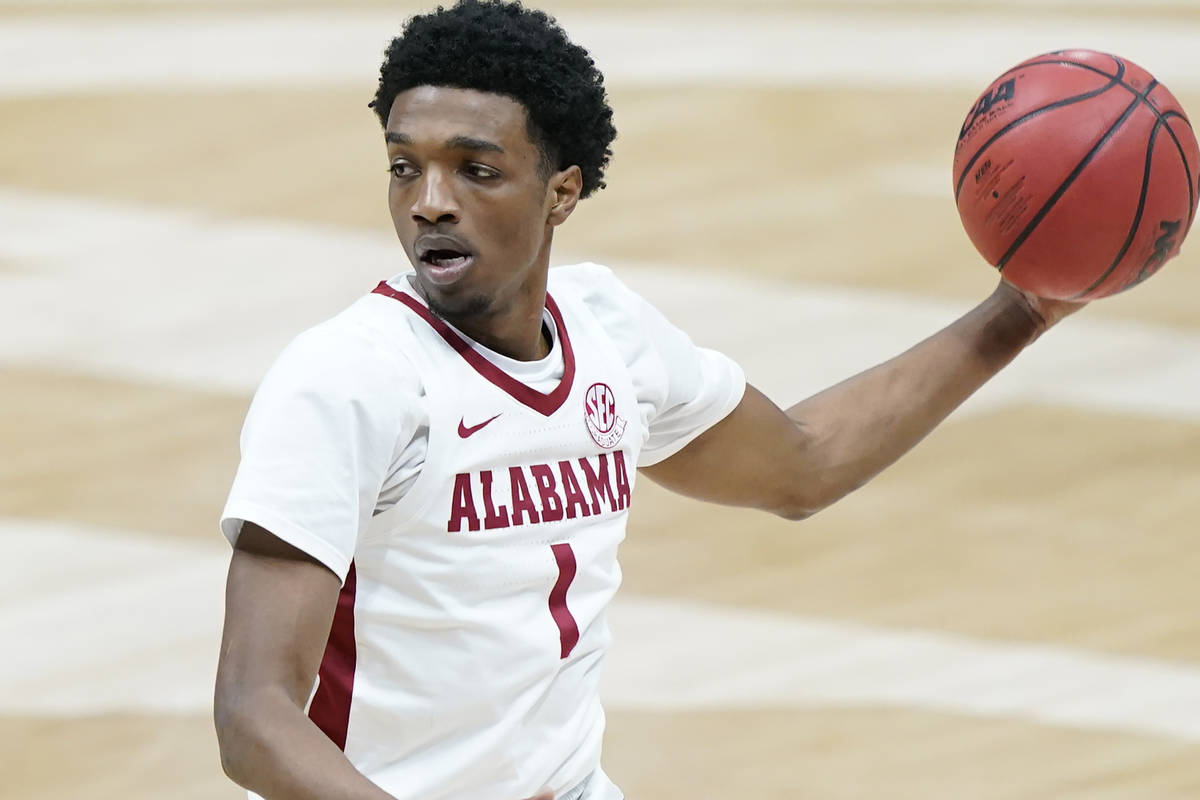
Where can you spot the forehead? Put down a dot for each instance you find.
(438, 113)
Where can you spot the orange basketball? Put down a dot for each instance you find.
(1076, 176)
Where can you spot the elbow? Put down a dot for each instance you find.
(228, 726)
(798, 506)
(235, 724)
(810, 484)
(233, 765)
(805, 501)
(796, 513)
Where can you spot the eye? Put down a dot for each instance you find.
(402, 169)
(480, 171)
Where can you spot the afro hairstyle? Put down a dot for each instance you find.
(504, 48)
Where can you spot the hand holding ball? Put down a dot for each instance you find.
(1076, 175)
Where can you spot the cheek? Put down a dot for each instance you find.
(393, 197)
(517, 225)
(398, 206)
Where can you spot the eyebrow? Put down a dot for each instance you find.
(454, 142)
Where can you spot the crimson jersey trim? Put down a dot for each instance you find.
(330, 707)
(545, 404)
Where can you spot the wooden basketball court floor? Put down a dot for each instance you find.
(1010, 612)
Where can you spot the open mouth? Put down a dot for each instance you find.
(444, 258)
(445, 265)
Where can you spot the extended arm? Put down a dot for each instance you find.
(797, 462)
(279, 605)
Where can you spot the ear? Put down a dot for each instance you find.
(563, 189)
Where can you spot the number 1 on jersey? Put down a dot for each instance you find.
(568, 631)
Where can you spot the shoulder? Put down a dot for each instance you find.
(356, 354)
(600, 291)
(587, 281)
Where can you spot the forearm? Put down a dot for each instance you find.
(270, 747)
(860, 426)
(796, 462)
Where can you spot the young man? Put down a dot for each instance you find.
(434, 483)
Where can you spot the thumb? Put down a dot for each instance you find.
(542, 796)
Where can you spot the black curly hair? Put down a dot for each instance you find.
(504, 48)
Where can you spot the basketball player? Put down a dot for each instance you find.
(434, 482)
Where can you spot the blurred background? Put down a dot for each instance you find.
(1010, 612)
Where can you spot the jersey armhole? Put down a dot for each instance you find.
(285, 530)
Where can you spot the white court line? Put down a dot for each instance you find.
(677, 655)
(96, 620)
(850, 48)
(192, 299)
(131, 623)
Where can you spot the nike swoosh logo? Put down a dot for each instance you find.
(464, 431)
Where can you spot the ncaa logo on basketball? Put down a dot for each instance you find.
(600, 414)
(1004, 93)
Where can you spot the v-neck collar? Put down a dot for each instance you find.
(544, 403)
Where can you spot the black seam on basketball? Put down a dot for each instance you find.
(1115, 78)
(1070, 179)
(1137, 216)
(1145, 98)
(1162, 115)
(1178, 113)
(1187, 170)
(1113, 81)
(1066, 63)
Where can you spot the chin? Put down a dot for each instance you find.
(458, 307)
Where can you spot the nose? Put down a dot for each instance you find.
(435, 201)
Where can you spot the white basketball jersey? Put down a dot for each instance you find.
(465, 653)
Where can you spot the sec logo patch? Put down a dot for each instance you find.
(600, 414)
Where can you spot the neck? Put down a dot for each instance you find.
(515, 331)
(512, 327)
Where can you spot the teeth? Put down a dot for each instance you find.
(441, 257)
